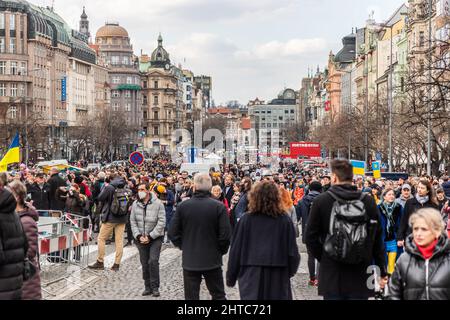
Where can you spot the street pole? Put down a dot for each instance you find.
(26, 116)
(390, 102)
(366, 134)
(430, 3)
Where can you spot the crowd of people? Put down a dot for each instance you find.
(254, 214)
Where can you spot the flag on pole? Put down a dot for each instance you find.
(12, 155)
(359, 167)
(376, 167)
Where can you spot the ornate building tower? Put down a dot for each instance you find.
(84, 24)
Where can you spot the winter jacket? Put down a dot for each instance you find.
(75, 203)
(55, 183)
(415, 278)
(242, 206)
(152, 222)
(106, 197)
(201, 229)
(411, 206)
(12, 248)
(264, 271)
(304, 208)
(402, 201)
(31, 289)
(40, 196)
(389, 235)
(336, 278)
(446, 187)
(97, 189)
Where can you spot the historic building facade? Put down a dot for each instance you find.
(116, 53)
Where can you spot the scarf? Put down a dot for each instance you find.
(422, 200)
(389, 210)
(427, 252)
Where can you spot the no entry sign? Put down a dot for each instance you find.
(136, 158)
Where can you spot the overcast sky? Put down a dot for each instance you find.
(251, 48)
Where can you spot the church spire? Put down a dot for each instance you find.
(84, 24)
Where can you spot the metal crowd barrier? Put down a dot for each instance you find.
(63, 248)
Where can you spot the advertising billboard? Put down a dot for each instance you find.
(305, 149)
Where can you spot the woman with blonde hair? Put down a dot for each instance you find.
(422, 273)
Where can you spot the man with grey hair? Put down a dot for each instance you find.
(201, 229)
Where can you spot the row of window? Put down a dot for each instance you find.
(12, 21)
(12, 90)
(275, 111)
(116, 94)
(116, 106)
(116, 41)
(13, 68)
(115, 60)
(12, 45)
(117, 80)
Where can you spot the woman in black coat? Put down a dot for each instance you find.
(425, 198)
(12, 246)
(422, 273)
(264, 255)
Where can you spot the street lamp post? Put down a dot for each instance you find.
(390, 102)
(430, 4)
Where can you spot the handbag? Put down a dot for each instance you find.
(29, 270)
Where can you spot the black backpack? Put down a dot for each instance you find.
(351, 235)
(119, 204)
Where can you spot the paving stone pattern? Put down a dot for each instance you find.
(127, 284)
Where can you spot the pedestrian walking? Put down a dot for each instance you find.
(12, 245)
(242, 206)
(345, 210)
(31, 289)
(390, 217)
(315, 189)
(264, 255)
(201, 229)
(148, 220)
(424, 198)
(114, 218)
(405, 195)
(422, 273)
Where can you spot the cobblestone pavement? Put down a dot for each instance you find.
(127, 284)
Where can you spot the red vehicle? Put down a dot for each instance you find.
(305, 150)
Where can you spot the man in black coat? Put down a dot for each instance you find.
(111, 223)
(201, 229)
(40, 193)
(55, 183)
(339, 281)
(12, 242)
(228, 188)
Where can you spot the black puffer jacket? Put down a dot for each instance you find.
(409, 281)
(12, 248)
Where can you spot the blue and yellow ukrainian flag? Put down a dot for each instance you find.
(359, 167)
(376, 167)
(12, 155)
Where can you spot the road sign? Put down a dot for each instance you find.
(137, 158)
